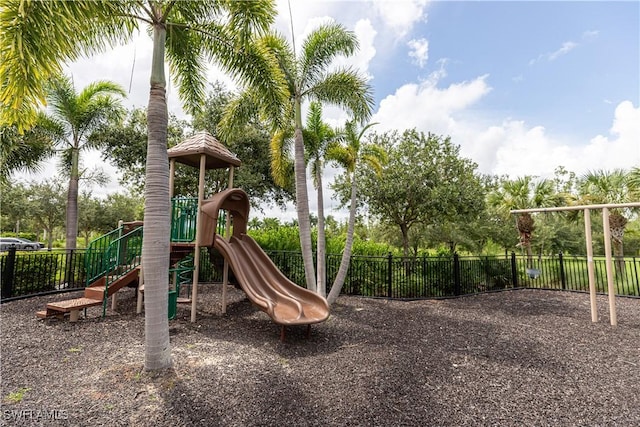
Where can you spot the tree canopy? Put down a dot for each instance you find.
(425, 181)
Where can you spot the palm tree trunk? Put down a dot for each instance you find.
(155, 243)
(617, 223)
(348, 246)
(302, 201)
(72, 202)
(321, 267)
(618, 255)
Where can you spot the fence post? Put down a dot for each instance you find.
(68, 268)
(563, 279)
(389, 274)
(8, 273)
(456, 275)
(514, 270)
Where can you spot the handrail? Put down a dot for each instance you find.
(94, 258)
(123, 255)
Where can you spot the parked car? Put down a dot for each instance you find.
(20, 244)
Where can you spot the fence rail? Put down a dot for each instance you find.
(35, 273)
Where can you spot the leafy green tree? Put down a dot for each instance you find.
(14, 206)
(120, 207)
(186, 34)
(352, 153)
(425, 181)
(46, 206)
(80, 114)
(307, 77)
(125, 146)
(89, 213)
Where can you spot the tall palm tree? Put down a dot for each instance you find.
(317, 136)
(307, 77)
(79, 115)
(616, 186)
(351, 154)
(187, 34)
(525, 193)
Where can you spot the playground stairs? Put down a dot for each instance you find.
(112, 262)
(94, 295)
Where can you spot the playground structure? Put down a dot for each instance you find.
(589, 245)
(113, 261)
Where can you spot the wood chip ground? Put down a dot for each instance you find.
(519, 358)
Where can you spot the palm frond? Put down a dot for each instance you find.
(27, 150)
(340, 155)
(248, 17)
(321, 47)
(238, 112)
(187, 66)
(347, 89)
(32, 50)
(281, 157)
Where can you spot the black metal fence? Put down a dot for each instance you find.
(436, 277)
(26, 274)
(37, 273)
(42, 272)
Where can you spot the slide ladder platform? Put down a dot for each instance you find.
(94, 295)
(72, 306)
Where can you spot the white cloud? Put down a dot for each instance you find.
(566, 48)
(419, 51)
(552, 56)
(401, 16)
(622, 148)
(515, 149)
(511, 147)
(590, 34)
(361, 59)
(427, 107)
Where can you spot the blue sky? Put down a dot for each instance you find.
(558, 63)
(522, 87)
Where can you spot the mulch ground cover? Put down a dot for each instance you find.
(518, 358)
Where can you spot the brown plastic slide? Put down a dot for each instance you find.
(270, 290)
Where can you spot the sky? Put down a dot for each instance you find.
(521, 87)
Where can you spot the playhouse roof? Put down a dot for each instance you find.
(189, 151)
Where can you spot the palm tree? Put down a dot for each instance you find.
(307, 77)
(617, 186)
(186, 34)
(79, 115)
(634, 183)
(317, 136)
(525, 193)
(350, 155)
(26, 150)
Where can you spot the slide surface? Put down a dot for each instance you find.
(270, 290)
(284, 301)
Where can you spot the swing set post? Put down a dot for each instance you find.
(588, 239)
